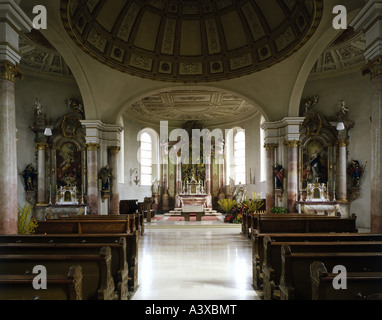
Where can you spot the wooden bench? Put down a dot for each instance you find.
(119, 267)
(258, 246)
(271, 268)
(359, 285)
(97, 282)
(305, 224)
(250, 221)
(106, 239)
(145, 209)
(295, 282)
(59, 287)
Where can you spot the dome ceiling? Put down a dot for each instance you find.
(187, 40)
(180, 106)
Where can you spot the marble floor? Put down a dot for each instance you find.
(194, 261)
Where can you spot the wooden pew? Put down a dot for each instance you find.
(295, 282)
(271, 268)
(258, 246)
(106, 239)
(97, 282)
(305, 224)
(251, 221)
(119, 267)
(59, 287)
(359, 285)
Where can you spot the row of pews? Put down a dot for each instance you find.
(294, 257)
(93, 257)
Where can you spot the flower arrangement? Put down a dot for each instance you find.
(256, 203)
(226, 205)
(27, 224)
(236, 214)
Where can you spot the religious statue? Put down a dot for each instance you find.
(29, 176)
(343, 114)
(37, 107)
(105, 177)
(311, 102)
(240, 193)
(156, 186)
(279, 173)
(355, 171)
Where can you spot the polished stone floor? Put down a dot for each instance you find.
(194, 261)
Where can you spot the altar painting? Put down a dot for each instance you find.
(69, 166)
(315, 163)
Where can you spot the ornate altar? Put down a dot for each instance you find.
(318, 202)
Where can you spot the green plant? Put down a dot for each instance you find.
(27, 223)
(226, 205)
(279, 210)
(256, 203)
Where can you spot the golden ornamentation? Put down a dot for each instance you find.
(92, 146)
(373, 67)
(270, 146)
(115, 150)
(313, 126)
(292, 143)
(342, 143)
(41, 146)
(10, 72)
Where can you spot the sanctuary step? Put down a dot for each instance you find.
(207, 212)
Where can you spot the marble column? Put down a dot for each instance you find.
(270, 161)
(292, 190)
(222, 180)
(208, 181)
(374, 68)
(8, 153)
(165, 199)
(342, 172)
(92, 166)
(41, 169)
(114, 164)
(369, 21)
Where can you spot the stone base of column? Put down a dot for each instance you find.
(114, 204)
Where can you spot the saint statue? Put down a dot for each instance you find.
(29, 176)
(279, 173)
(240, 193)
(105, 177)
(355, 171)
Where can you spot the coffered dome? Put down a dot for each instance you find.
(189, 40)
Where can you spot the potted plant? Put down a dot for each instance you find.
(27, 223)
(279, 210)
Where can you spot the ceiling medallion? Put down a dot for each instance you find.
(189, 40)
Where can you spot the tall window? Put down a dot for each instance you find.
(239, 157)
(146, 158)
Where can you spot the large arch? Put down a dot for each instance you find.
(323, 42)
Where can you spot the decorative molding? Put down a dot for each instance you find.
(373, 67)
(196, 42)
(114, 150)
(42, 146)
(270, 146)
(292, 143)
(342, 143)
(10, 72)
(92, 146)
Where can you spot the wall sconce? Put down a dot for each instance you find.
(134, 175)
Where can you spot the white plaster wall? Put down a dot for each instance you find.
(51, 94)
(356, 91)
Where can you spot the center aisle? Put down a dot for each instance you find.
(194, 261)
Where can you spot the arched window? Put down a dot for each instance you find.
(239, 156)
(146, 158)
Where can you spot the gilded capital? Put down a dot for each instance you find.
(292, 143)
(114, 150)
(41, 146)
(373, 67)
(10, 72)
(342, 143)
(92, 146)
(270, 146)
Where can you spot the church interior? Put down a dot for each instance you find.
(146, 115)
